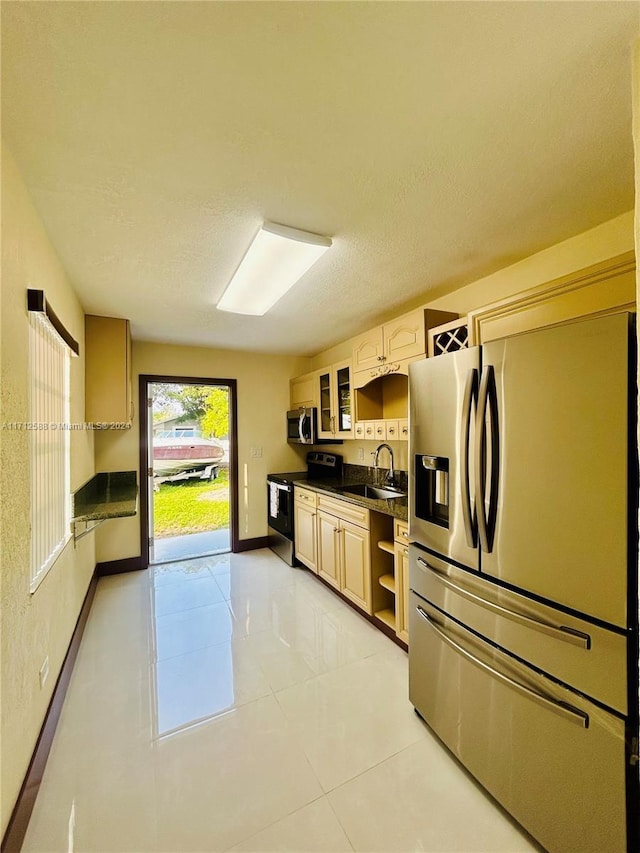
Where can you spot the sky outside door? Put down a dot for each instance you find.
(189, 500)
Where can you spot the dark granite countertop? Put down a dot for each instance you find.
(396, 507)
(112, 495)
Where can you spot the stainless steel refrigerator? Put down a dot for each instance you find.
(523, 627)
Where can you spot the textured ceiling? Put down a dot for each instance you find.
(435, 142)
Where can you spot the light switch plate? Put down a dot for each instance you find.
(256, 453)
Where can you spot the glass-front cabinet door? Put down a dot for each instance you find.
(325, 412)
(344, 422)
(335, 402)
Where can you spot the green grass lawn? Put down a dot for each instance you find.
(193, 506)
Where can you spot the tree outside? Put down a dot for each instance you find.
(206, 404)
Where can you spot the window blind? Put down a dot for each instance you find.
(49, 444)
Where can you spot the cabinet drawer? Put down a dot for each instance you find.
(349, 512)
(380, 430)
(359, 429)
(403, 429)
(401, 531)
(304, 496)
(392, 431)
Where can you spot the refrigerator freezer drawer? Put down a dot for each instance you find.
(590, 659)
(554, 760)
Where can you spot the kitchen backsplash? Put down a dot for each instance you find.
(365, 474)
(357, 452)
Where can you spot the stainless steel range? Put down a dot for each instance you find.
(280, 514)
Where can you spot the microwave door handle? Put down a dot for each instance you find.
(470, 392)
(300, 425)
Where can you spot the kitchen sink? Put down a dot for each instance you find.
(377, 492)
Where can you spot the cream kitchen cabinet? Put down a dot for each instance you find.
(399, 339)
(344, 550)
(401, 570)
(108, 391)
(334, 395)
(305, 527)
(387, 348)
(391, 595)
(303, 392)
(380, 407)
(395, 430)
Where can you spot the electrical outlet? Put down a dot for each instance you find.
(44, 672)
(361, 453)
(256, 453)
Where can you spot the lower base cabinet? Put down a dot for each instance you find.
(328, 549)
(344, 552)
(391, 583)
(360, 553)
(304, 508)
(401, 565)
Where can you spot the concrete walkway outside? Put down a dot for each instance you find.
(191, 545)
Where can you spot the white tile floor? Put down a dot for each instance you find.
(234, 703)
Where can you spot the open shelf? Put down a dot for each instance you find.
(385, 545)
(384, 398)
(387, 616)
(388, 582)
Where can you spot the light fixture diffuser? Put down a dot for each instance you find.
(277, 258)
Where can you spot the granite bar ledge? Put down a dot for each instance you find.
(106, 495)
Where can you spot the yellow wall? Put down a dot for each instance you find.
(263, 399)
(38, 625)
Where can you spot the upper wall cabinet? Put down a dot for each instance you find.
(303, 392)
(108, 396)
(389, 348)
(335, 413)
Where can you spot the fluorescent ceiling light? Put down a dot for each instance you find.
(275, 260)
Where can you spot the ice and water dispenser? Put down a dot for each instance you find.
(432, 489)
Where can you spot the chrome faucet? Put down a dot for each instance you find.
(390, 479)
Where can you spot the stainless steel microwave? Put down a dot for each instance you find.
(301, 426)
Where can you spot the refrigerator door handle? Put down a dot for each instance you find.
(470, 392)
(560, 632)
(564, 710)
(487, 399)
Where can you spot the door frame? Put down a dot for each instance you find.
(146, 379)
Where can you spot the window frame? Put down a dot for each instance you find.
(49, 431)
